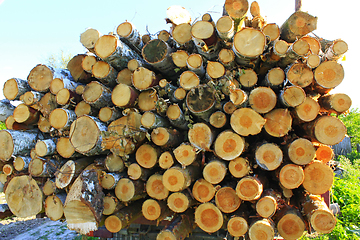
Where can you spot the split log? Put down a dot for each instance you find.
(268, 156)
(105, 73)
(262, 99)
(124, 95)
(155, 187)
(6, 109)
(208, 217)
(214, 171)
(62, 118)
(166, 160)
(97, 95)
(112, 204)
(23, 196)
(239, 167)
(179, 202)
(301, 151)
(109, 114)
(17, 143)
(249, 188)
(26, 115)
(179, 228)
(278, 122)
(245, 122)
(229, 145)
(297, 25)
(127, 190)
(337, 103)
(45, 147)
(227, 200)
(290, 223)
(54, 206)
(263, 229)
(318, 178)
(176, 179)
(14, 88)
(291, 176)
(70, 170)
(155, 210)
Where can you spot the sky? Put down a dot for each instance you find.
(31, 31)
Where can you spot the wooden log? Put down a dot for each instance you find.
(299, 74)
(166, 160)
(271, 30)
(300, 48)
(155, 210)
(41, 76)
(204, 37)
(239, 167)
(301, 151)
(83, 108)
(214, 70)
(166, 37)
(318, 178)
(88, 61)
(208, 217)
(86, 135)
(227, 200)
(249, 188)
(65, 149)
(292, 96)
(328, 75)
(227, 58)
(109, 114)
(6, 109)
(30, 201)
(97, 95)
(179, 58)
(262, 229)
(229, 107)
(179, 228)
(57, 84)
(67, 99)
(113, 51)
(291, 176)
(165, 137)
(46, 104)
(17, 143)
(201, 136)
(214, 171)
(248, 78)
(262, 99)
(290, 223)
(136, 172)
(334, 50)
(54, 206)
(245, 121)
(70, 170)
(188, 80)
(278, 122)
(124, 217)
(62, 118)
(130, 35)
(114, 163)
(297, 25)
(80, 89)
(109, 180)
(195, 63)
(275, 77)
(307, 111)
(229, 145)
(31, 97)
(236, 9)
(127, 190)
(49, 187)
(112, 204)
(201, 101)
(15, 87)
(147, 100)
(155, 187)
(268, 203)
(268, 156)
(151, 120)
(337, 103)
(313, 61)
(8, 169)
(203, 191)
(318, 214)
(176, 178)
(182, 35)
(105, 73)
(124, 95)
(84, 203)
(324, 153)
(40, 167)
(76, 70)
(124, 76)
(143, 79)
(225, 28)
(176, 117)
(179, 202)
(147, 156)
(25, 114)
(218, 119)
(185, 154)
(175, 94)
(238, 224)
(45, 147)
(89, 38)
(21, 163)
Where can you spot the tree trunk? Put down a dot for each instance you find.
(208, 217)
(318, 178)
(297, 25)
(179, 228)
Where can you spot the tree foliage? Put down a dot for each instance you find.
(352, 123)
(58, 60)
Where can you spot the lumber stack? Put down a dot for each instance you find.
(216, 125)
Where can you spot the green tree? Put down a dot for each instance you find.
(352, 123)
(58, 60)
(2, 126)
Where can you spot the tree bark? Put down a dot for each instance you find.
(297, 25)
(6, 110)
(21, 163)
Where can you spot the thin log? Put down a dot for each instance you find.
(306, 111)
(225, 28)
(203, 191)
(263, 229)
(155, 210)
(130, 35)
(54, 206)
(196, 64)
(83, 108)
(62, 118)
(227, 58)
(76, 70)
(271, 30)
(67, 98)
(301, 151)
(47, 104)
(268, 204)
(147, 156)
(143, 79)
(201, 136)
(97, 95)
(218, 119)
(112, 204)
(89, 37)
(337, 103)
(45, 147)
(185, 154)
(109, 114)
(275, 77)
(151, 120)
(324, 153)
(204, 37)
(262, 99)
(182, 35)
(165, 137)
(291, 176)
(136, 172)
(8, 169)
(40, 167)
(176, 117)
(237, 225)
(148, 100)
(245, 121)
(248, 78)
(300, 48)
(88, 61)
(31, 97)
(166, 160)
(21, 163)
(114, 163)
(249, 188)
(335, 50)
(236, 9)
(26, 115)
(201, 101)
(65, 149)
(110, 180)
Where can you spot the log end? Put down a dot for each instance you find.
(249, 188)
(245, 121)
(229, 145)
(203, 191)
(227, 200)
(151, 209)
(214, 172)
(113, 224)
(266, 206)
(262, 230)
(291, 176)
(291, 226)
(318, 178)
(65, 175)
(239, 167)
(54, 208)
(301, 151)
(323, 221)
(237, 226)
(178, 202)
(125, 190)
(208, 217)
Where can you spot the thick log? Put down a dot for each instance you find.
(127, 190)
(105, 73)
(297, 25)
(201, 101)
(70, 170)
(179, 228)
(62, 118)
(239, 167)
(84, 203)
(143, 79)
(214, 70)
(124, 95)
(263, 229)
(318, 178)
(14, 88)
(147, 156)
(148, 100)
(54, 206)
(262, 99)
(214, 171)
(26, 115)
(155, 187)
(227, 200)
(290, 223)
(176, 178)
(249, 188)
(278, 122)
(268, 203)
(46, 147)
(291, 176)
(203, 191)
(6, 109)
(328, 75)
(97, 95)
(23, 196)
(245, 122)
(301, 151)
(208, 217)
(179, 202)
(268, 156)
(229, 145)
(299, 74)
(17, 143)
(337, 103)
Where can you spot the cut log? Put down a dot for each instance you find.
(291, 176)
(124, 76)
(245, 122)
(71, 170)
(227, 200)
(178, 229)
(54, 208)
(112, 204)
(318, 178)
(262, 229)
(176, 117)
(86, 135)
(130, 35)
(26, 115)
(229, 145)
(225, 28)
(180, 201)
(337, 103)
(297, 25)
(65, 149)
(189, 80)
(166, 160)
(47, 104)
(229, 107)
(204, 37)
(109, 114)
(179, 58)
(76, 70)
(237, 226)
(152, 120)
(290, 223)
(196, 64)
(214, 70)
(154, 210)
(208, 217)
(88, 61)
(214, 171)
(201, 101)
(57, 84)
(201, 136)
(147, 156)
(300, 48)
(306, 111)
(97, 95)
(23, 196)
(148, 100)
(40, 167)
(275, 77)
(176, 179)
(62, 118)
(318, 214)
(166, 137)
(6, 110)
(67, 98)
(21, 163)
(143, 79)
(236, 9)
(271, 30)
(249, 188)
(278, 122)
(8, 169)
(17, 143)
(41, 76)
(166, 37)
(218, 119)
(313, 61)
(113, 51)
(155, 187)
(268, 156)
(324, 153)
(105, 73)
(203, 191)
(136, 172)
(49, 187)
(124, 95)
(227, 58)
(83, 108)
(124, 217)
(262, 99)
(114, 163)
(248, 78)
(335, 50)
(182, 35)
(292, 96)
(239, 167)
(127, 190)
(45, 147)
(89, 38)
(268, 204)
(301, 151)
(328, 75)
(299, 74)
(31, 97)
(14, 88)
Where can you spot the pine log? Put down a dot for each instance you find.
(307, 111)
(337, 103)
(41, 76)
(124, 217)
(166, 160)
(299, 74)
(262, 99)
(148, 100)
(297, 25)
(17, 143)
(292, 96)
(23, 196)
(21, 163)
(15, 87)
(176, 178)
(54, 206)
(130, 35)
(155, 187)
(195, 63)
(290, 223)
(278, 122)
(26, 115)
(45, 147)
(86, 135)
(236, 9)
(328, 75)
(165, 137)
(208, 217)
(227, 200)
(249, 188)
(109, 114)
(179, 202)
(318, 178)
(318, 214)
(324, 153)
(291, 176)
(268, 156)
(147, 156)
(214, 171)
(176, 117)
(301, 151)
(178, 229)
(237, 225)
(113, 51)
(70, 170)
(203, 191)
(105, 73)
(62, 118)
(127, 190)
(155, 210)
(262, 229)
(239, 167)
(229, 145)
(268, 203)
(218, 119)
(112, 204)
(124, 95)
(245, 121)
(179, 58)
(6, 110)
(31, 97)
(97, 95)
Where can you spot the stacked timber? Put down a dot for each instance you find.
(214, 125)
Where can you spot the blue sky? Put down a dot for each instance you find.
(30, 31)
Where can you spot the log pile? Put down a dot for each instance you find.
(216, 125)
